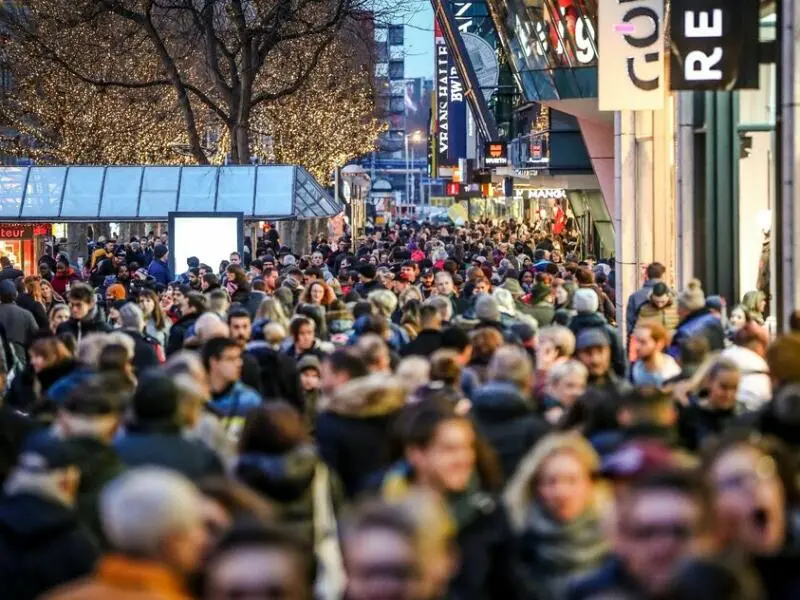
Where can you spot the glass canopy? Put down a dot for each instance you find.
(149, 193)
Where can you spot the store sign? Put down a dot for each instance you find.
(451, 107)
(495, 154)
(714, 45)
(631, 64)
(22, 231)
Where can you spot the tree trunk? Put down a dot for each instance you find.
(77, 241)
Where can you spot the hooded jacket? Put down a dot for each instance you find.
(583, 321)
(508, 421)
(42, 545)
(286, 480)
(91, 323)
(354, 425)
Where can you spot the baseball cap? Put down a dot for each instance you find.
(42, 452)
(592, 338)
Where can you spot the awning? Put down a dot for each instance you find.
(120, 194)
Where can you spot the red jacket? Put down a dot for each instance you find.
(62, 280)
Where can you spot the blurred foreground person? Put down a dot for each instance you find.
(42, 543)
(153, 519)
(259, 562)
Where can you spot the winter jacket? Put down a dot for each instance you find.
(699, 323)
(42, 545)
(254, 300)
(20, 327)
(159, 270)
(638, 299)
(278, 372)
(145, 352)
(163, 445)
(233, 404)
(14, 430)
(426, 343)
(667, 316)
(10, 273)
(611, 580)
(354, 425)
(61, 389)
(61, 281)
(122, 578)
(583, 321)
(287, 482)
(699, 423)
(508, 421)
(27, 302)
(179, 332)
(98, 463)
(543, 312)
(92, 323)
(162, 335)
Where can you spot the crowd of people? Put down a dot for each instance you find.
(436, 413)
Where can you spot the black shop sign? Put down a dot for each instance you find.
(714, 44)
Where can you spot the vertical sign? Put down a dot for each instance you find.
(451, 106)
(714, 44)
(631, 63)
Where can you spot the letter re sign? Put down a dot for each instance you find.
(631, 54)
(714, 44)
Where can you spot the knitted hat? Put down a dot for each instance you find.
(486, 309)
(586, 300)
(505, 301)
(513, 286)
(367, 270)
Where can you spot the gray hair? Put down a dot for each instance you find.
(586, 300)
(132, 317)
(443, 305)
(144, 506)
(561, 337)
(384, 301)
(92, 346)
(561, 371)
(511, 364)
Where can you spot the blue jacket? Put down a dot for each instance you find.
(235, 403)
(700, 323)
(159, 271)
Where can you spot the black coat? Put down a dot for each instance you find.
(92, 323)
(14, 429)
(278, 377)
(144, 351)
(698, 423)
(179, 332)
(164, 446)
(425, 344)
(611, 580)
(42, 546)
(583, 321)
(10, 273)
(354, 426)
(508, 421)
(27, 302)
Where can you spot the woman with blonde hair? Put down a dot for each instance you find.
(30, 298)
(555, 515)
(272, 311)
(155, 323)
(49, 296)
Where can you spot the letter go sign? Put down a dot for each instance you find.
(714, 44)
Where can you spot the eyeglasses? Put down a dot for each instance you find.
(648, 532)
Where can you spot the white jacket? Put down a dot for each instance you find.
(755, 387)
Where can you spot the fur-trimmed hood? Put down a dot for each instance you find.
(375, 395)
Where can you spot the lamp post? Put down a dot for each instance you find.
(416, 138)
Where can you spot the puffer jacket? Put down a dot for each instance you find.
(92, 323)
(354, 425)
(667, 316)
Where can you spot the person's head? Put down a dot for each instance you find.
(45, 270)
(219, 301)
(554, 343)
(222, 358)
(156, 514)
(81, 299)
(663, 518)
(647, 406)
(257, 560)
(131, 317)
(58, 314)
(585, 301)
(309, 369)
(430, 317)
(440, 446)
(380, 553)
(240, 325)
(660, 295)
(443, 306)
(482, 286)
(723, 383)
(651, 339)
(755, 488)
(593, 349)
(384, 301)
(47, 352)
(318, 293)
(444, 283)
(46, 467)
(375, 352)
(755, 302)
(342, 366)
(557, 474)
(194, 303)
(235, 258)
(95, 408)
(656, 271)
(274, 428)
(692, 299)
(739, 317)
(485, 342)
(511, 364)
(303, 332)
(566, 382)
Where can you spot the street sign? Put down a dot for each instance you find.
(714, 45)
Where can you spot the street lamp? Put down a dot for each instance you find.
(416, 137)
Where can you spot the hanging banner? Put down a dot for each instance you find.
(631, 62)
(451, 107)
(714, 45)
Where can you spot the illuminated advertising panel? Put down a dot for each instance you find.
(451, 106)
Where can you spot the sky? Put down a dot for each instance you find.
(419, 41)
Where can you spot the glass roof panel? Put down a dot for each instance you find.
(159, 192)
(274, 191)
(43, 192)
(198, 189)
(12, 184)
(82, 194)
(121, 192)
(236, 190)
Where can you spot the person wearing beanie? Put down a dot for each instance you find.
(159, 268)
(586, 301)
(155, 437)
(696, 320)
(367, 282)
(541, 304)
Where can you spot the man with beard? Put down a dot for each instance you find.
(653, 366)
(241, 328)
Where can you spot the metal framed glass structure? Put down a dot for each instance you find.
(150, 193)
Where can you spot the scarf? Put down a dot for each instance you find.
(555, 552)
